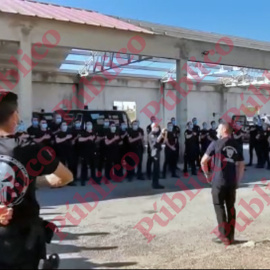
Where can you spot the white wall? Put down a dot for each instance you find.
(48, 95)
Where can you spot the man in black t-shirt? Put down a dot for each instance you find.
(112, 151)
(228, 172)
(21, 161)
(170, 151)
(196, 130)
(87, 150)
(34, 128)
(44, 135)
(135, 138)
(190, 149)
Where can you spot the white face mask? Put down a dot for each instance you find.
(44, 126)
(58, 120)
(89, 127)
(64, 128)
(113, 129)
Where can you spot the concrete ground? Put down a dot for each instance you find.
(106, 238)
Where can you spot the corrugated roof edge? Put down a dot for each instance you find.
(144, 31)
(53, 4)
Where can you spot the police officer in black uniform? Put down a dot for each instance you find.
(170, 151)
(76, 134)
(212, 134)
(44, 135)
(101, 156)
(228, 172)
(141, 131)
(56, 123)
(135, 138)
(22, 231)
(176, 132)
(34, 128)
(112, 151)
(253, 131)
(238, 134)
(190, 149)
(21, 133)
(149, 157)
(87, 149)
(204, 138)
(63, 146)
(263, 147)
(123, 144)
(196, 130)
(156, 138)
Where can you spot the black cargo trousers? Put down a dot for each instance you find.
(225, 195)
(23, 246)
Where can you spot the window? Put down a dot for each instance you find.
(128, 106)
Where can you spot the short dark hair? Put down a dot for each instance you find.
(8, 105)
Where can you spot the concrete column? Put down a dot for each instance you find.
(25, 92)
(223, 100)
(181, 108)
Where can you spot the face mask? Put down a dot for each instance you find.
(89, 127)
(78, 125)
(64, 128)
(204, 126)
(35, 123)
(195, 122)
(113, 129)
(44, 126)
(214, 126)
(170, 128)
(20, 128)
(190, 127)
(123, 127)
(135, 127)
(173, 122)
(58, 120)
(106, 124)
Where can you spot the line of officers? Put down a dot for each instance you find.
(101, 149)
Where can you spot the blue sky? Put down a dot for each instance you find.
(245, 18)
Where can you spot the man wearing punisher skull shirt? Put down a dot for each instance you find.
(21, 161)
(228, 172)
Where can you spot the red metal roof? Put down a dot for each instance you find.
(66, 14)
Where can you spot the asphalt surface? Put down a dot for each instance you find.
(101, 234)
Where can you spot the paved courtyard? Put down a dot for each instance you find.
(106, 238)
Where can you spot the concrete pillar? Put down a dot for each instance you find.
(223, 100)
(181, 108)
(25, 93)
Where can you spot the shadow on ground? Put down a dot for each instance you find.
(67, 262)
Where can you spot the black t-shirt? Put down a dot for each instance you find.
(32, 131)
(112, 150)
(176, 132)
(171, 139)
(67, 144)
(263, 137)
(54, 127)
(253, 131)
(197, 130)
(238, 133)
(190, 138)
(134, 134)
(20, 164)
(204, 141)
(213, 134)
(88, 147)
(226, 153)
(48, 141)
